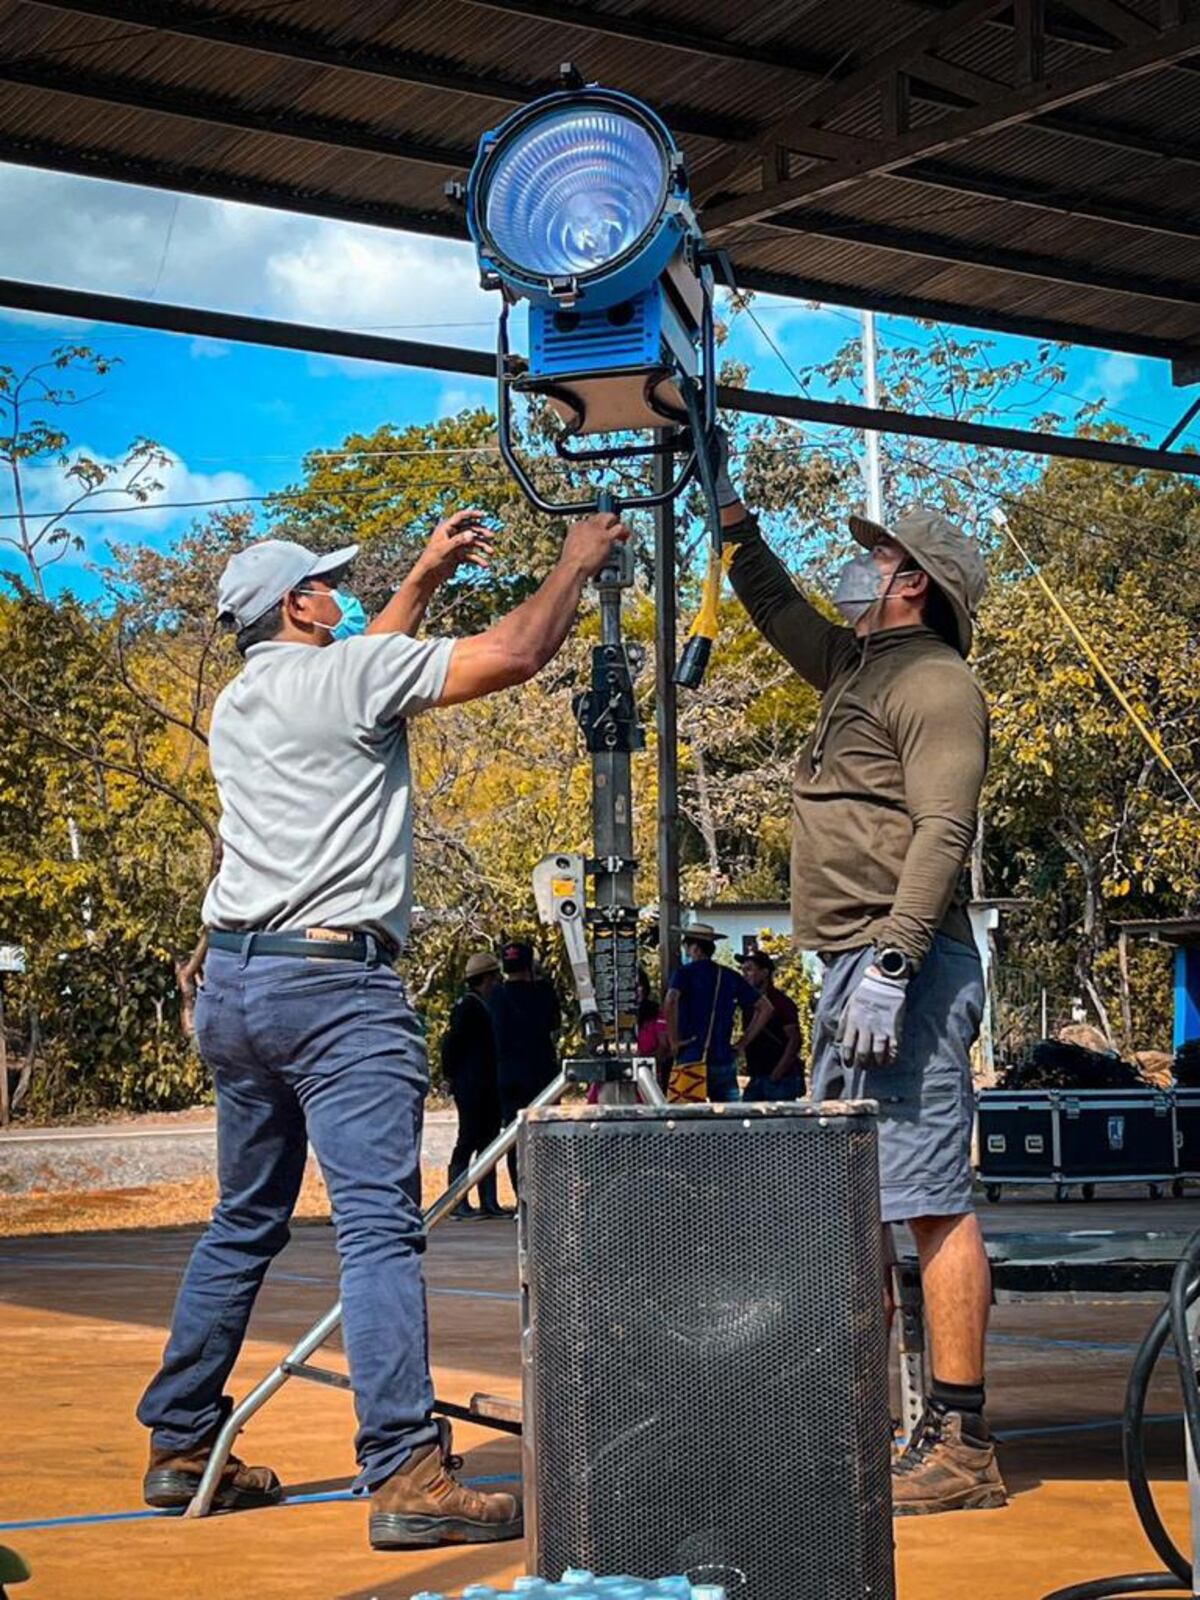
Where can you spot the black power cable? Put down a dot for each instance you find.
(1170, 1322)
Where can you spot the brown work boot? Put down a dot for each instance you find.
(173, 1477)
(944, 1470)
(423, 1504)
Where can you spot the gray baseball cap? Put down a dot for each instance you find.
(259, 576)
(952, 560)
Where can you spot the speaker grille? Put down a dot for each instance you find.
(706, 1362)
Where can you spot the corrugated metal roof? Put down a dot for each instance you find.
(1083, 222)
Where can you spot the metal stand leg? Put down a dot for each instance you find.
(910, 1334)
(297, 1356)
(1193, 1466)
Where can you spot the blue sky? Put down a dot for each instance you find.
(238, 419)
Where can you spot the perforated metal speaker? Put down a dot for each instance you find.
(705, 1351)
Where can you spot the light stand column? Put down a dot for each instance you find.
(607, 716)
(666, 724)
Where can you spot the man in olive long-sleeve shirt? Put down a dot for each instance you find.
(884, 812)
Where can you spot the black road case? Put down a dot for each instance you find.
(1187, 1132)
(1081, 1136)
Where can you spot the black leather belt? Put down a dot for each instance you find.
(321, 944)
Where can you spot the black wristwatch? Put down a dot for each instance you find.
(894, 964)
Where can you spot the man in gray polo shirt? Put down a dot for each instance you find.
(305, 1026)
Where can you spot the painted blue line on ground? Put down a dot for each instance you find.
(69, 1263)
(95, 1519)
(1040, 1339)
(1006, 1434)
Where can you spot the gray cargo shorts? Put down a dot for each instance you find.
(926, 1101)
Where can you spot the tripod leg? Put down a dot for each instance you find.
(646, 1079)
(201, 1503)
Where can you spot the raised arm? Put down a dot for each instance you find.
(517, 647)
(806, 640)
(460, 539)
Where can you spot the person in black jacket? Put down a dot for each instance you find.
(526, 1017)
(469, 1068)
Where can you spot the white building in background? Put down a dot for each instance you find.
(743, 922)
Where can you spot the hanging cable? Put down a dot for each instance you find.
(1151, 738)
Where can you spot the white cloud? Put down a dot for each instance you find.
(1114, 376)
(124, 240)
(47, 489)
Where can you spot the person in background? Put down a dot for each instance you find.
(526, 1018)
(469, 1068)
(701, 1008)
(773, 1058)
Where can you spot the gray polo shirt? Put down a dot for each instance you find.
(309, 749)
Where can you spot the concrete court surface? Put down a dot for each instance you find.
(82, 1321)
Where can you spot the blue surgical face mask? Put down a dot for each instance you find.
(353, 619)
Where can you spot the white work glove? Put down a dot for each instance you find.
(727, 495)
(869, 1032)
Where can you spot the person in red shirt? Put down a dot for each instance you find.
(773, 1058)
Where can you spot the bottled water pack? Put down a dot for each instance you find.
(577, 1585)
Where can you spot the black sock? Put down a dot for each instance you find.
(968, 1400)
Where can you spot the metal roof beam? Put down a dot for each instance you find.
(1038, 197)
(219, 111)
(925, 308)
(961, 252)
(668, 36)
(220, 28)
(177, 177)
(380, 61)
(51, 300)
(874, 74)
(1007, 108)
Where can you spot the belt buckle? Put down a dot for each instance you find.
(329, 935)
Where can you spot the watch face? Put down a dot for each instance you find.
(893, 963)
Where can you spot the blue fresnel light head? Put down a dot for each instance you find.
(578, 205)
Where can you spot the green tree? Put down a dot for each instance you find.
(32, 436)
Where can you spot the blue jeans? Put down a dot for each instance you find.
(763, 1087)
(723, 1084)
(327, 1051)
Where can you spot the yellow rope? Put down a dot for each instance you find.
(1147, 733)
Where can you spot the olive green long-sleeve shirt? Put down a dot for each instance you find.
(886, 791)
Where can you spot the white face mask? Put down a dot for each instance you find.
(860, 585)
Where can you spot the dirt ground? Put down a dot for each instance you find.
(83, 1315)
(163, 1205)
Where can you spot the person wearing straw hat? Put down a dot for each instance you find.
(302, 1020)
(702, 1004)
(884, 810)
(469, 1068)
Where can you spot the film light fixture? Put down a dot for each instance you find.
(579, 206)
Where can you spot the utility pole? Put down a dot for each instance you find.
(871, 469)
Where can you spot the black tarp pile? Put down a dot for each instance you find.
(1052, 1064)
